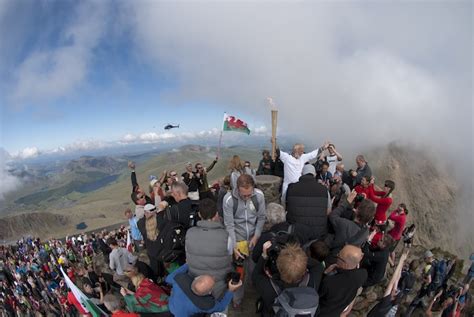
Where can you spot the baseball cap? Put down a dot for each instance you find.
(149, 208)
(428, 254)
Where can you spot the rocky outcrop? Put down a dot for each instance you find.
(270, 185)
(35, 224)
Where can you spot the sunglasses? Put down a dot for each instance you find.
(172, 175)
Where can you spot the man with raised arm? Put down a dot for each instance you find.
(294, 163)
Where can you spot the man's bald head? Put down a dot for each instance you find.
(202, 285)
(349, 257)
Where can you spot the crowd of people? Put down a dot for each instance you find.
(332, 236)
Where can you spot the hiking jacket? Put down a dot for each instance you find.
(344, 229)
(307, 203)
(383, 203)
(208, 253)
(247, 221)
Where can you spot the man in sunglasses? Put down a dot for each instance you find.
(204, 191)
(341, 282)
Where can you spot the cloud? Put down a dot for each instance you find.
(51, 73)
(9, 182)
(26, 153)
(380, 70)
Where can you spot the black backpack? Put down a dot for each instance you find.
(172, 239)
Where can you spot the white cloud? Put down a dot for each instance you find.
(47, 74)
(261, 130)
(26, 153)
(362, 67)
(8, 181)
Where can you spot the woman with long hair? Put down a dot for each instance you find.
(148, 297)
(236, 169)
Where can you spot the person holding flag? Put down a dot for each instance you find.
(84, 304)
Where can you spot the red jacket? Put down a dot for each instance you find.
(362, 190)
(399, 220)
(383, 203)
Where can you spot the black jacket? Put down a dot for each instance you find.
(337, 291)
(307, 203)
(375, 262)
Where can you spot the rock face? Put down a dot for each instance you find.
(270, 185)
(35, 224)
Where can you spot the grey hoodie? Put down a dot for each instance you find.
(247, 221)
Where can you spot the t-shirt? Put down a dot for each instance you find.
(332, 160)
(382, 308)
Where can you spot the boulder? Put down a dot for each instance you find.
(270, 185)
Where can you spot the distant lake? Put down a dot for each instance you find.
(89, 187)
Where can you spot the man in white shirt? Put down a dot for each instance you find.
(294, 163)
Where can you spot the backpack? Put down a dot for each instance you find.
(235, 204)
(172, 239)
(296, 301)
(440, 272)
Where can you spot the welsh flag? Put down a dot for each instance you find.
(232, 123)
(129, 242)
(87, 305)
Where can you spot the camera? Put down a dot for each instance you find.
(359, 198)
(279, 241)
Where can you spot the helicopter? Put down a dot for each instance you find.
(170, 126)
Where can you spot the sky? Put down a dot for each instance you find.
(83, 74)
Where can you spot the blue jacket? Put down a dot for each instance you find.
(180, 304)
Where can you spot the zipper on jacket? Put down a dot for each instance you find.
(246, 221)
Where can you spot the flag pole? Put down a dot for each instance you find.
(219, 146)
(218, 154)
